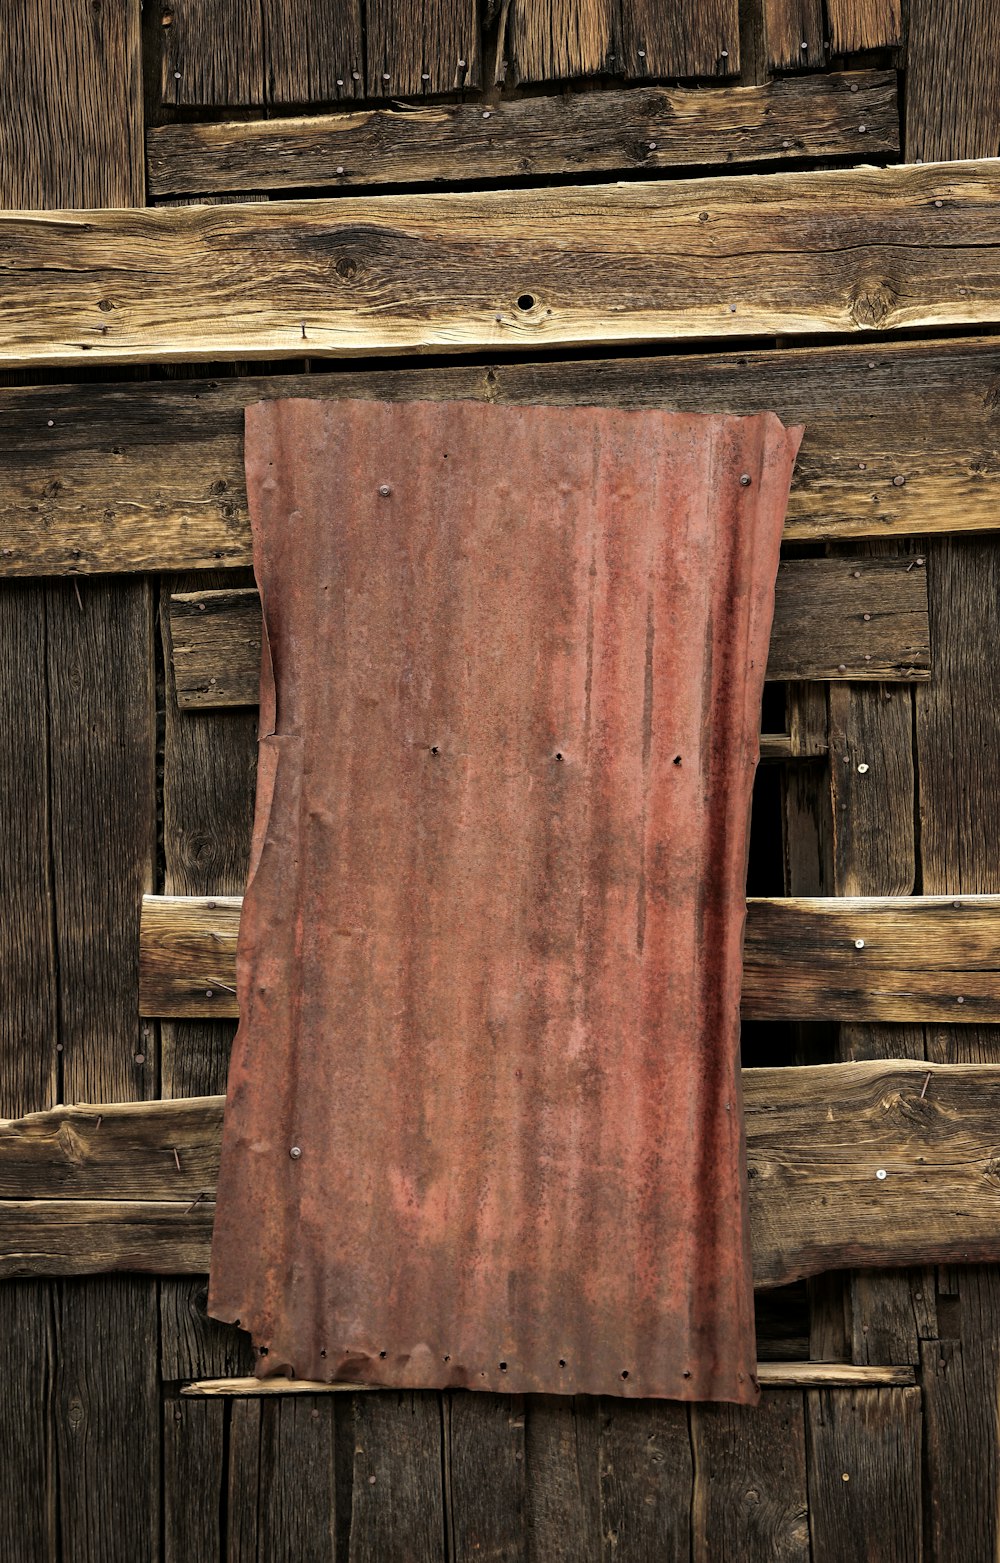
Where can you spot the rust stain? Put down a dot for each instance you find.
(484, 1124)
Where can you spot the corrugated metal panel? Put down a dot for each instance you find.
(484, 1124)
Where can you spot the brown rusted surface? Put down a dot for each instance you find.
(484, 1123)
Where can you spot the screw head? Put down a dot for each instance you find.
(744, 480)
(859, 944)
(862, 768)
(881, 1174)
(385, 490)
(295, 1152)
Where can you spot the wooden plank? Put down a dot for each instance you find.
(282, 1481)
(194, 1480)
(150, 477)
(27, 1436)
(484, 1476)
(580, 132)
(856, 25)
(853, 958)
(772, 1375)
(552, 40)
(817, 1138)
(952, 79)
(276, 51)
(794, 30)
(688, 38)
(958, 747)
(563, 1514)
(749, 1503)
(864, 1476)
(865, 249)
(430, 46)
(833, 619)
(646, 1470)
(397, 1493)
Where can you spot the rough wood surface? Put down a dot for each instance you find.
(397, 1493)
(282, 1481)
(687, 38)
(864, 1476)
(194, 1480)
(551, 40)
(952, 79)
(484, 1476)
(817, 1138)
(856, 25)
(645, 128)
(794, 31)
(275, 51)
(958, 747)
(920, 957)
(864, 249)
(150, 477)
(833, 619)
(645, 1469)
(426, 46)
(749, 1500)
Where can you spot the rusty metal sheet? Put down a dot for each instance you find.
(484, 1123)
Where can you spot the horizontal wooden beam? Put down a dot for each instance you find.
(902, 958)
(899, 439)
(770, 1375)
(883, 1163)
(652, 128)
(833, 619)
(844, 250)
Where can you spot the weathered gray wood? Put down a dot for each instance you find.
(586, 132)
(484, 1476)
(952, 80)
(864, 1476)
(223, 52)
(905, 958)
(864, 249)
(426, 46)
(149, 477)
(749, 1503)
(833, 619)
(646, 1470)
(397, 1493)
(194, 1480)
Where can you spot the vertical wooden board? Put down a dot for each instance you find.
(281, 1480)
(749, 1502)
(687, 38)
(102, 703)
(242, 1479)
(397, 1499)
(864, 1475)
(952, 80)
(646, 1474)
(71, 105)
(28, 1058)
(225, 52)
(28, 1489)
(107, 1416)
(563, 1491)
(484, 1477)
(958, 748)
(552, 40)
(794, 30)
(864, 24)
(959, 1375)
(427, 46)
(193, 1480)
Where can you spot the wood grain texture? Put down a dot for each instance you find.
(645, 1471)
(281, 1497)
(920, 957)
(71, 105)
(427, 46)
(552, 40)
(645, 128)
(150, 477)
(794, 31)
(688, 38)
(397, 1493)
(749, 1500)
(958, 747)
(772, 1375)
(484, 1476)
(833, 619)
(952, 79)
(194, 1480)
(866, 249)
(856, 25)
(27, 1435)
(864, 1476)
(275, 51)
(816, 1139)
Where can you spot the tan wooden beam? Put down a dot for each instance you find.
(649, 128)
(899, 958)
(884, 1163)
(839, 251)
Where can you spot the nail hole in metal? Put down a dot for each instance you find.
(503, 1367)
(624, 1372)
(677, 759)
(435, 749)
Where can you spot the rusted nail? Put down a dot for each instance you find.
(177, 1160)
(79, 599)
(303, 330)
(100, 1120)
(926, 1084)
(196, 1201)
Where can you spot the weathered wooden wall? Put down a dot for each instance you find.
(129, 754)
